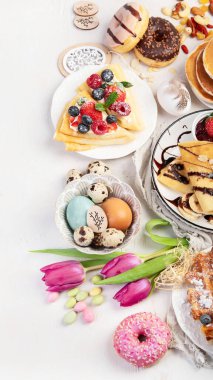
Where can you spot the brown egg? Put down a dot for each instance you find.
(118, 212)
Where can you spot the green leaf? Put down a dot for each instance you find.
(126, 84)
(164, 240)
(111, 99)
(78, 254)
(100, 107)
(144, 270)
(92, 263)
(120, 85)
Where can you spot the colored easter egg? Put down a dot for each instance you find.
(76, 212)
(118, 213)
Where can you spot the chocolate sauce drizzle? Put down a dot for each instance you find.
(204, 190)
(115, 39)
(124, 26)
(133, 11)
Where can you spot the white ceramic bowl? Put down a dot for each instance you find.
(199, 117)
(79, 187)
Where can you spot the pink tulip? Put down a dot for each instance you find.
(133, 292)
(63, 276)
(120, 264)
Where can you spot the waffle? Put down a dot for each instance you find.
(200, 296)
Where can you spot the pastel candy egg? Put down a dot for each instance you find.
(73, 292)
(70, 302)
(52, 297)
(80, 306)
(76, 212)
(95, 279)
(98, 300)
(70, 317)
(95, 291)
(97, 219)
(82, 295)
(88, 315)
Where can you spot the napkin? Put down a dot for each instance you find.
(199, 240)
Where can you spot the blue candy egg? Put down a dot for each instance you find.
(76, 211)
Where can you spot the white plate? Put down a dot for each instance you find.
(170, 138)
(143, 97)
(187, 323)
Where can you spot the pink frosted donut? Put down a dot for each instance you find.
(142, 339)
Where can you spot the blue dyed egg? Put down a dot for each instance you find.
(76, 211)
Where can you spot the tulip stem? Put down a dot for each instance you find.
(158, 253)
(95, 267)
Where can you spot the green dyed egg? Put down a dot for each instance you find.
(76, 211)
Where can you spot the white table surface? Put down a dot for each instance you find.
(33, 342)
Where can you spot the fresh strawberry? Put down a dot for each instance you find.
(88, 109)
(121, 108)
(114, 88)
(112, 127)
(99, 127)
(209, 125)
(94, 81)
(76, 122)
(71, 119)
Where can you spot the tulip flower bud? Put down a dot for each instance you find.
(63, 275)
(120, 264)
(133, 292)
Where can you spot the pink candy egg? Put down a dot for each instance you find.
(88, 315)
(80, 306)
(52, 296)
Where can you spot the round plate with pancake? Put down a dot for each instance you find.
(179, 131)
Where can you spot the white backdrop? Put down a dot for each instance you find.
(33, 342)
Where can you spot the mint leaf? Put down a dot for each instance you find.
(127, 84)
(111, 99)
(100, 107)
(120, 85)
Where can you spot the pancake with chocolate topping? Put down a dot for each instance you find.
(160, 44)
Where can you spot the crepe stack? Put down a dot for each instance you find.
(197, 157)
(199, 71)
(75, 141)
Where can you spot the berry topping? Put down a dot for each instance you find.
(99, 127)
(87, 120)
(83, 128)
(75, 122)
(114, 88)
(94, 81)
(121, 108)
(73, 111)
(205, 319)
(112, 127)
(89, 110)
(107, 75)
(209, 126)
(104, 85)
(111, 119)
(98, 93)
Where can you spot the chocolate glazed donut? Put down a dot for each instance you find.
(160, 44)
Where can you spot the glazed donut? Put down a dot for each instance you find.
(160, 44)
(126, 27)
(142, 339)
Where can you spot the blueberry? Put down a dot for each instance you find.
(87, 120)
(111, 119)
(205, 319)
(107, 75)
(83, 128)
(98, 93)
(73, 111)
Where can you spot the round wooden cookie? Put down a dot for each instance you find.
(86, 23)
(77, 56)
(85, 8)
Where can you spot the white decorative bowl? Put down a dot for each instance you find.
(79, 187)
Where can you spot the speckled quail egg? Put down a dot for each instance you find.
(111, 238)
(73, 174)
(98, 167)
(98, 192)
(83, 236)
